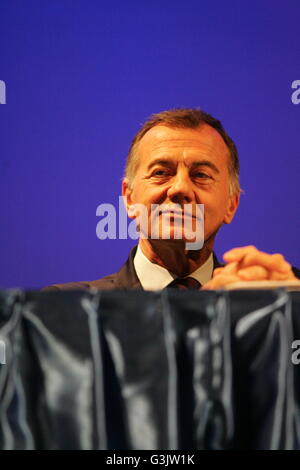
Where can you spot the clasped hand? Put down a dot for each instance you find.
(249, 264)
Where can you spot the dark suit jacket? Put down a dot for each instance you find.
(126, 278)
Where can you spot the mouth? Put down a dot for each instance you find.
(182, 214)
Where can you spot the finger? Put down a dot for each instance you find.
(253, 273)
(274, 262)
(288, 276)
(220, 281)
(217, 271)
(230, 268)
(249, 256)
(236, 254)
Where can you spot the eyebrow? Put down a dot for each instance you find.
(170, 163)
(206, 163)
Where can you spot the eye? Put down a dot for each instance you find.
(201, 175)
(160, 172)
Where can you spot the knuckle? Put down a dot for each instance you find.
(251, 247)
(261, 269)
(278, 257)
(218, 270)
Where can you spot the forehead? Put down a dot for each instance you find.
(201, 142)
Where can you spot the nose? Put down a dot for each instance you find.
(180, 190)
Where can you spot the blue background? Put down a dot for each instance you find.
(82, 75)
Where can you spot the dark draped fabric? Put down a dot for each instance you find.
(140, 370)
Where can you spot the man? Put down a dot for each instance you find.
(183, 158)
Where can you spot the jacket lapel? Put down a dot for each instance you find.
(127, 278)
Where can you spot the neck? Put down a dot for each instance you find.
(172, 255)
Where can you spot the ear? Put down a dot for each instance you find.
(127, 197)
(233, 203)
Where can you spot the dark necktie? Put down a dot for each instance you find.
(184, 283)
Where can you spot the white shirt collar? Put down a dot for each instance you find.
(155, 277)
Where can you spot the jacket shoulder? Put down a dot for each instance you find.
(105, 283)
(126, 279)
(296, 271)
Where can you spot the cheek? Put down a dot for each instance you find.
(146, 194)
(219, 196)
(215, 207)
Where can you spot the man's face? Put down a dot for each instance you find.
(184, 166)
